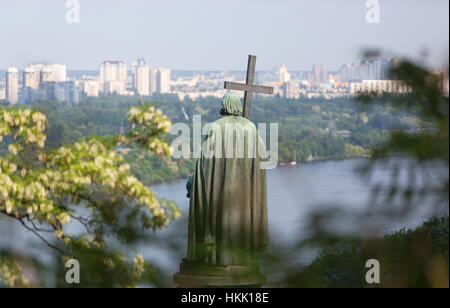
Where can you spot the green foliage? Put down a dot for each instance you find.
(311, 127)
(408, 258)
(150, 168)
(88, 183)
(354, 150)
(107, 268)
(11, 273)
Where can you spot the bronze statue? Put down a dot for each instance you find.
(228, 223)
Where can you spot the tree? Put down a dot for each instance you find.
(44, 190)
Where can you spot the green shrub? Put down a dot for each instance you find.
(408, 258)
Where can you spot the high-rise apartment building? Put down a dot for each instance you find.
(367, 69)
(35, 74)
(92, 87)
(66, 91)
(283, 74)
(32, 75)
(12, 85)
(54, 73)
(320, 73)
(160, 80)
(380, 87)
(291, 90)
(141, 77)
(114, 76)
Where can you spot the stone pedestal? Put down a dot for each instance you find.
(211, 276)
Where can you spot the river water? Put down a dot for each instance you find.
(294, 193)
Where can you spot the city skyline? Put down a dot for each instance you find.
(130, 67)
(52, 82)
(200, 35)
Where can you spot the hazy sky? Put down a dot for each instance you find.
(219, 34)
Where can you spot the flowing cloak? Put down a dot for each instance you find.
(228, 206)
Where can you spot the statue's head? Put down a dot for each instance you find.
(231, 105)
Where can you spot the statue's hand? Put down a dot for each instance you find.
(189, 187)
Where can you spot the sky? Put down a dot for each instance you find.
(219, 34)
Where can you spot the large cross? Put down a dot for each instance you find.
(249, 87)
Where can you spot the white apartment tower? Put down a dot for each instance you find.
(114, 76)
(34, 74)
(12, 85)
(320, 73)
(283, 74)
(380, 87)
(141, 77)
(160, 80)
(54, 73)
(291, 90)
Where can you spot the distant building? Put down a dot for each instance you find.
(12, 85)
(34, 74)
(283, 74)
(346, 73)
(54, 73)
(114, 77)
(59, 91)
(367, 69)
(92, 88)
(141, 77)
(2, 94)
(28, 95)
(160, 81)
(153, 73)
(443, 81)
(277, 88)
(310, 78)
(320, 73)
(291, 90)
(334, 78)
(380, 87)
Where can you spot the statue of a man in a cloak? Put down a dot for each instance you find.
(228, 200)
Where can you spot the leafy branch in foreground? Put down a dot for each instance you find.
(347, 237)
(426, 145)
(87, 183)
(11, 274)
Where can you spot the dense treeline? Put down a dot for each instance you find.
(403, 265)
(315, 129)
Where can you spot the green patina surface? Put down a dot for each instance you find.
(228, 208)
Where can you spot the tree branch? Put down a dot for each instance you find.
(20, 219)
(40, 237)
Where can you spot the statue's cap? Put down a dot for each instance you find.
(231, 104)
